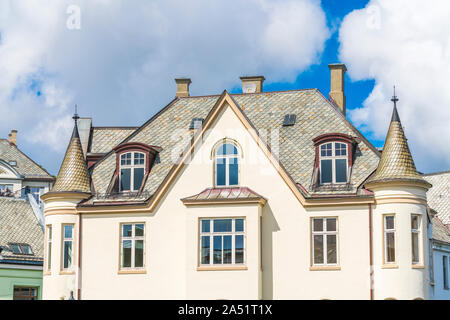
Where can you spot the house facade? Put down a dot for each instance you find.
(22, 182)
(259, 195)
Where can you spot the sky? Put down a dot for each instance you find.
(117, 60)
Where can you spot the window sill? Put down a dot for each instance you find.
(221, 268)
(324, 268)
(418, 266)
(66, 272)
(47, 273)
(140, 271)
(389, 266)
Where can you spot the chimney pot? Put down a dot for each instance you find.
(337, 87)
(13, 137)
(252, 84)
(182, 87)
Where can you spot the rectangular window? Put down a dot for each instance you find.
(132, 246)
(48, 264)
(389, 239)
(324, 241)
(223, 240)
(221, 172)
(24, 293)
(67, 246)
(415, 237)
(445, 271)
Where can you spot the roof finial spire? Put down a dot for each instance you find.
(394, 98)
(395, 116)
(75, 116)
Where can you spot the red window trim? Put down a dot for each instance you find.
(335, 137)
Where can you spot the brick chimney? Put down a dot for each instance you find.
(183, 87)
(252, 84)
(337, 87)
(13, 137)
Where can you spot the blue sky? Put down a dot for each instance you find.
(117, 61)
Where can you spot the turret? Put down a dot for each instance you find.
(399, 219)
(62, 246)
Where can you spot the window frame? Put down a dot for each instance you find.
(132, 166)
(445, 272)
(72, 240)
(419, 241)
(385, 231)
(48, 248)
(333, 159)
(324, 234)
(25, 296)
(227, 158)
(233, 233)
(133, 238)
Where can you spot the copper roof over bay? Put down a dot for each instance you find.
(225, 194)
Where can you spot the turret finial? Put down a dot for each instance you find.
(395, 116)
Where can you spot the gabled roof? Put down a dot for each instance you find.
(25, 166)
(18, 224)
(438, 196)
(440, 231)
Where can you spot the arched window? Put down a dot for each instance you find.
(132, 171)
(226, 165)
(333, 162)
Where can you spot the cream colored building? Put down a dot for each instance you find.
(259, 195)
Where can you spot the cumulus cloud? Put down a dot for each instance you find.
(119, 59)
(406, 43)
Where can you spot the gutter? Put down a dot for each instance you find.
(79, 256)
(371, 271)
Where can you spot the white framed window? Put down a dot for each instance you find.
(324, 241)
(416, 243)
(67, 246)
(389, 238)
(222, 241)
(333, 162)
(48, 244)
(132, 244)
(132, 171)
(226, 165)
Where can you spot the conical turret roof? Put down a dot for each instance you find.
(396, 163)
(73, 175)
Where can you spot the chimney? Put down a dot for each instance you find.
(13, 137)
(182, 87)
(252, 84)
(337, 88)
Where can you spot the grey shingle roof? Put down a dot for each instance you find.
(18, 224)
(315, 116)
(103, 139)
(438, 196)
(25, 166)
(440, 231)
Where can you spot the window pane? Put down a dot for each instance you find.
(126, 253)
(26, 249)
(318, 249)
(15, 248)
(139, 253)
(227, 148)
(126, 230)
(49, 257)
(390, 246)
(326, 171)
(239, 225)
(445, 271)
(222, 225)
(415, 222)
(325, 150)
(331, 249)
(125, 175)
(239, 249)
(390, 222)
(68, 232)
(341, 170)
(227, 249)
(217, 249)
(205, 250)
(139, 158)
(317, 224)
(139, 230)
(233, 170)
(331, 224)
(67, 254)
(341, 149)
(138, 177)
(220, 172)
(415, 247)
(49, 233)
(206, 225)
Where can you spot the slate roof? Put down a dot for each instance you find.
(440, 231)
(103, 139)
(18, 224)
(25, 166)
(438, 196)
(220, 194)
(314, 113)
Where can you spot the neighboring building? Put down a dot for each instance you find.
(259, 195)
(439, 200)
(22, 182)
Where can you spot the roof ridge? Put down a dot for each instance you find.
(435, 173)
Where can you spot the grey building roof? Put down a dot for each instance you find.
(18, 224)
(103, 139)
(315, 116)
(440, 231)
(25, 166)
(438, 196)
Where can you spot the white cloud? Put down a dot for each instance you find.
(120, 65)
(406, 43)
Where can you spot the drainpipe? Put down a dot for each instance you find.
(79, 256)
(370, 254)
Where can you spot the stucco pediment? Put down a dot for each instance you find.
(7, 171)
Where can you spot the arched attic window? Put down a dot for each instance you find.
(226, 164)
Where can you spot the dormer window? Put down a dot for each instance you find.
(333, 163)
(226, 165)
(132, 171)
